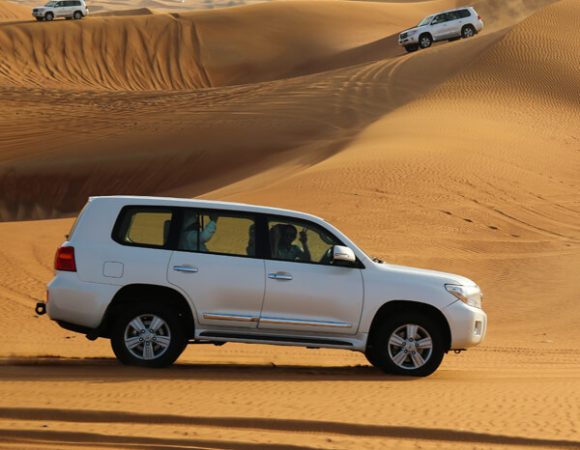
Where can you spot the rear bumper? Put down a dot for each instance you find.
(468, 325)
(76, 302)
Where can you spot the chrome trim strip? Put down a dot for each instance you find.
(306, 323)
(234, 317)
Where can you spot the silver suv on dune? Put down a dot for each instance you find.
(446, 25)
(69, 9)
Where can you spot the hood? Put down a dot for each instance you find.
(409, 29)
(439, 277)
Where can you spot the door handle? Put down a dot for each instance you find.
(282, 276)
(188, 269)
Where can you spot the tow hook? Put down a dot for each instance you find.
(40, 308)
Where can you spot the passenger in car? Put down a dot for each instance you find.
(191, 236)
(282, 237)
(251, 248)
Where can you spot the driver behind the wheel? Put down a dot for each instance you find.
(282, 237)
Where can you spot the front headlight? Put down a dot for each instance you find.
(411, 32)
(470, 295)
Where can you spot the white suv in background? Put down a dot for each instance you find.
(446, 25)
(154, 274)
(69, 9)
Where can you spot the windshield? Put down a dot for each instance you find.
(51, 4)
(425, 21)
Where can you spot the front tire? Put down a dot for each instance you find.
(411, 48)
(148, 335)
(425, 40)
(407, 344)
(49, 17)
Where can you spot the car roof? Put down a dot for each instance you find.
(453, 9)
(137, 200)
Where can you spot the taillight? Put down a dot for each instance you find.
(478, 17)
(65, 259)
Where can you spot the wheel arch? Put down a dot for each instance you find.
(397, 306)
(427, 33)
(134, 293)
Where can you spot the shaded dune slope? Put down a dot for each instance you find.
(188, 143)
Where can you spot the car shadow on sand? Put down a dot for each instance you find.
(110, 370)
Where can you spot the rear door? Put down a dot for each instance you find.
(215, 264)
(454, 24)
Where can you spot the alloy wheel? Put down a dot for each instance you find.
(410, 346)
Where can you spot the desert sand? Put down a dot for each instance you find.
(462, 158)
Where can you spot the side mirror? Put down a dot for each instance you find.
(341, 253)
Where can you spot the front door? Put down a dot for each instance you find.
(305, 291)
(215, 266)
(440, 27)
(60, 9)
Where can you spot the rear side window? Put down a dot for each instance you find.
(143, 227)
(218, 232)
(462, 13)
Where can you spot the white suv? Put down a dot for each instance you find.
(154, 274)
(446, 25)
(69, 9)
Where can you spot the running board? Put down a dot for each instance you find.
(270, 338)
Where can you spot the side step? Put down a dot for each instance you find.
(270, 338)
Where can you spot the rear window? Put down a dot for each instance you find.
(143, 226)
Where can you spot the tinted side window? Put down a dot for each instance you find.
(463, 13)
(143, 226)
(439, 19)
(300, 241)
(217, 232)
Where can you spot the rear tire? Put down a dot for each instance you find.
(467, 31)
(77, 15)
(49, 17)
(412, 48)
(148, 335)
(408, 344)
(425, 40)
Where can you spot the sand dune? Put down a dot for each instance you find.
(463, 158)
(11, 13)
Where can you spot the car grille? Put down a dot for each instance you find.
(403, 35)
(35, 10)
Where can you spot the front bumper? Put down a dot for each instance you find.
(409, 40)
(468, 325)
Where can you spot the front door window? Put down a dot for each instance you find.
(298, 241)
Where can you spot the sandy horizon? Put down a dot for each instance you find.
(462, 158)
